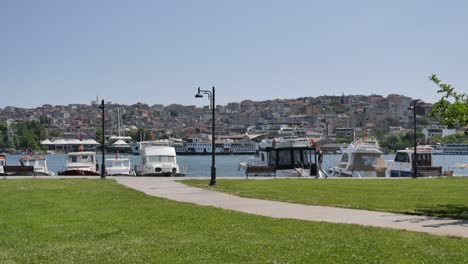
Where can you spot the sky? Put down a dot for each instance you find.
(158, 52)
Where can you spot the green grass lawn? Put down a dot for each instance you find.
(446, 197)
(99, 221)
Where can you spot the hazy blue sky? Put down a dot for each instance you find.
(159, 52)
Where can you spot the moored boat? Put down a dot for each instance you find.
(119, 167)
(2, 164)
(402, 165)
(362, 158)
(81, 164)
(39, 163)
(159, 161)
(284, 158)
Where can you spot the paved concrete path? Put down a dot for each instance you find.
(169, 188)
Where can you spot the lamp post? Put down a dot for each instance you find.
(211, 97)
(103, 165)
(415, 157)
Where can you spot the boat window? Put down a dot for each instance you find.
(344, 158)
(83, 159)
(263, 156)
(424, 159)
(367, 160)
(402, 157)
(272, 158)
(284, 157)
(297, 157)
(161, 159)
(117, 163)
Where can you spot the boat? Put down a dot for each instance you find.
(285, 157)
(202, 146)
(362, 158)
(402, 165)
(39, 163)
(81, 164)
(2, 164)
(158, 160)
(119, 167)
(451, 149)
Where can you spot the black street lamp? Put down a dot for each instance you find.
(103, 165)
(415, 157)
(211, 97)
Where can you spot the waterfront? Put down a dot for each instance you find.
(229, 165)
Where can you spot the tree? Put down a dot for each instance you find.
(452, 108)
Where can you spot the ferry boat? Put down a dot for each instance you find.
(119, 167)
(39, 163)
(284, 157)
(81, 163)
(451, 149)
(362, 158)
(199, 146)
(402, 165)
(159, 161)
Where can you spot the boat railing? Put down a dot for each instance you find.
(301, 168)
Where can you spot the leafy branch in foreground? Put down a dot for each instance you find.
(452, 108)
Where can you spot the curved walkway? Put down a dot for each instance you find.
(169, 188)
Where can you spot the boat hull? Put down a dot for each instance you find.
(78, 173)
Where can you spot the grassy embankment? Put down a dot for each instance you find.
(99, 221)
(444, 197)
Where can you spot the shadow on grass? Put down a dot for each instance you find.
(454, 215)
(445, 210)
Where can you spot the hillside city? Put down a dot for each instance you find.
(339, 118)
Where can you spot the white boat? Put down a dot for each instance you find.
(2, 163)
(402, 165)
(159, 161)
(362, 158)
(451, 149)
(284, 158)
(81, 163)
(119, 166)
(39, 163)
(202, 146)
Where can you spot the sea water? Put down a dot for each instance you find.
(228, 165)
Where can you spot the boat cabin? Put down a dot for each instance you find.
(402, 165)
(284, 158)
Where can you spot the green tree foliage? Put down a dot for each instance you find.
(27, 135)
(452, 108)
(458, 138)
(396, 142)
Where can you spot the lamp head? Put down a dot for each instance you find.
(198, 95)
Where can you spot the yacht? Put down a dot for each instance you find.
(39, 163)
(402, 165)
(81, 163)
(159, 161)
(119, 166)
(362, 158)
(285, 157)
